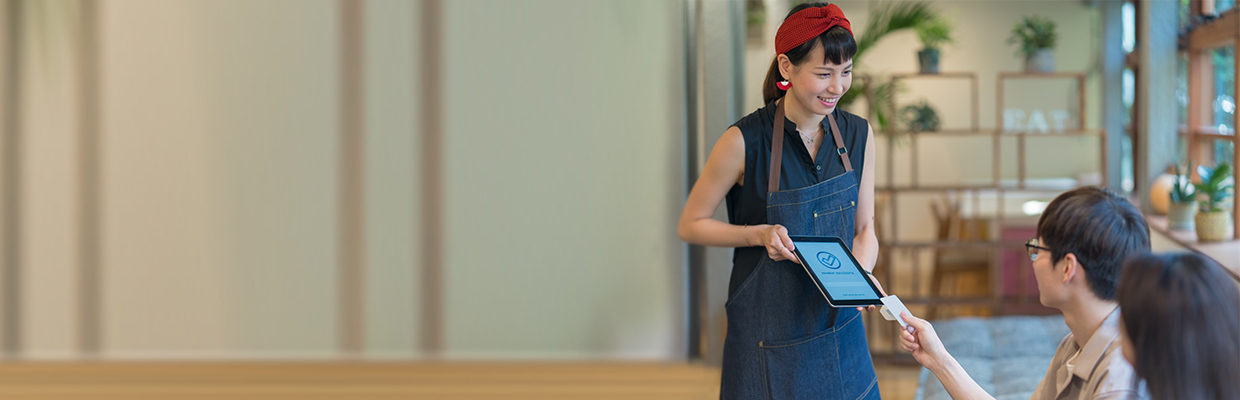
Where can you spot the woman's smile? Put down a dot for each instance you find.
(828, 102)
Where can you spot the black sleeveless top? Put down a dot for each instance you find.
(747, 203)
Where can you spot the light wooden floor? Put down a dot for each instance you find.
(335, 380)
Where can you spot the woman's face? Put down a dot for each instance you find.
(817, 83)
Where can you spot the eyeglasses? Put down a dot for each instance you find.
(1032, 247)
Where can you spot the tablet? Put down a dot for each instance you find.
(837, 273)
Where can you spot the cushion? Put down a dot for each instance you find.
(1007, 356)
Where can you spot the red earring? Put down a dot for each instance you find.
(783, 85)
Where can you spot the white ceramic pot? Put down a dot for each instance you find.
(1181, 215)
(1042, 60)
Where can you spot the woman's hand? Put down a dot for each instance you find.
(881, 292)
(778, 246)
(920, 339)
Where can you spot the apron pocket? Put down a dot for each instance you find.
(832, 364)
(836, 222)
(764, 262)
(806, 368)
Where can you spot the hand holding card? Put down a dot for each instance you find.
(892, 307)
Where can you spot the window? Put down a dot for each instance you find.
(1128, 95)
(1209, 131)
(1223, 5)
(1181, 89)
(1224, 149)
(1223, 63)
(1129, 13)
(1185, 15)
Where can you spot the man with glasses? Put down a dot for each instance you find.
(1083, 237)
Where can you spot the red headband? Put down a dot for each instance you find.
(808, 24)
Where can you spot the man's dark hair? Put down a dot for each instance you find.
(1100, 227)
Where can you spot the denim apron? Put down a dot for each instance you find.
(784, 341)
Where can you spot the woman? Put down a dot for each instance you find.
(784, 340)
(1180, 320)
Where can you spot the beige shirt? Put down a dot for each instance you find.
(1100, 370)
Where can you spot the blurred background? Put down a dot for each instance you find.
(249, 179)
(481, 181)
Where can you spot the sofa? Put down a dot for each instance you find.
(1007, 356)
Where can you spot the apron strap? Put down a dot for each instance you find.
(777, 147)
(839, 144)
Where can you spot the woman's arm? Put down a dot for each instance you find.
(865, 240)
(865, 243)
(921, 340)
(697, 223)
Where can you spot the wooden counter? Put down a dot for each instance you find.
(1226, 253)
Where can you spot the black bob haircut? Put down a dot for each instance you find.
(1100, 227)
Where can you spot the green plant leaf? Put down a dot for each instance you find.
(1033, 33)
(1223, 192)
(1204, 172)
(920, 117)
(1180, 189)
(1221, 173)
(888, 17)
(1212, 186)
(934, 33)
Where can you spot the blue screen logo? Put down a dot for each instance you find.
(828, 260)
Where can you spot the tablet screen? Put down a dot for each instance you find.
(836, 272)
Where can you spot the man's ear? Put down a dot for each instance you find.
(1070, 267)
(785, 66)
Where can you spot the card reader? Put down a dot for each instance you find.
(892, 307)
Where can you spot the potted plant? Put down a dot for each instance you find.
(1036, 37)
(1214, 217)
(920, 117)
(885, 19)
(1183, 207)
(934, 33)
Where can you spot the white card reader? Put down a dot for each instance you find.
(892, 307)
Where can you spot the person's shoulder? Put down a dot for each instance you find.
(1048, 388)
(1114, 374)
(753, 124)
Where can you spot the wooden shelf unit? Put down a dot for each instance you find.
(1220, 32)
(891, 242)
